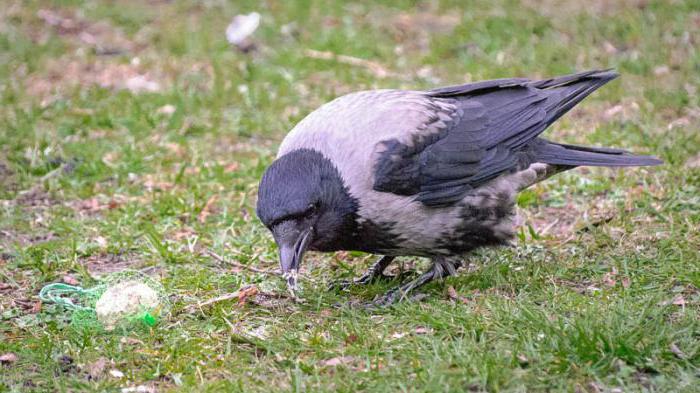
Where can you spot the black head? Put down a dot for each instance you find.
(302, 200)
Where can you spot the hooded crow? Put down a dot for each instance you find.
(428, 174)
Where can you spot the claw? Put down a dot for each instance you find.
(365, 279)
(339, 285)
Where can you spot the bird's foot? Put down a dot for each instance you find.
(365, 279)
(374, 274)
(441, 268)
(390, 298)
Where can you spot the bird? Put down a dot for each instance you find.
(431, 174)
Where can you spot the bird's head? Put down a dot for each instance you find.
(303, 201)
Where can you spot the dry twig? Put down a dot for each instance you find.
(237, 264)
(377, 69)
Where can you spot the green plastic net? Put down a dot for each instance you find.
(122, 300)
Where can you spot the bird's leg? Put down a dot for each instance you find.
(441, 268)
(374, 273)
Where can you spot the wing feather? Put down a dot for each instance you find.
(492, 130)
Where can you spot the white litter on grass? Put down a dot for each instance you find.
(241, 27)
(139, 389)
(140, 83)
(259, 332)
(166, 110)
(128, 298)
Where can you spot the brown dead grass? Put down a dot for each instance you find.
(105, 263)
(566, 8)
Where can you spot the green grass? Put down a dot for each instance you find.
(600, 294)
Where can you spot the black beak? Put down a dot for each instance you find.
(292, 244)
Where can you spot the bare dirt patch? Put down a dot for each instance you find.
(16, 294)
(563, 8)
(64, 74)
(95, 204)
(413, 30)
(8, 181)
(102, 36)
(35, 197)
(693, 162)
(105, 263)
(563, 222)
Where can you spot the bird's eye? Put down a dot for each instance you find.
(310, 211)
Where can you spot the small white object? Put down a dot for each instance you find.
(125, 299)
(241, 27)
(140, 83)
(116, 373)
(139, 389)
(166, 110)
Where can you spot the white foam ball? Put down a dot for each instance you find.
(125, 299)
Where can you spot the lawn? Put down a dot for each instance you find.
(133, 135)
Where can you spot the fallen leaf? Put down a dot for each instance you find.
(454, 296)
(70, 280)
(152, 184)
(36, 308)
(245, 293)
(593, 387)
(351, 339)
(625, 282)
(422, 330)
(207, 210)
(97, 368)
(337, 361)
(679, 300)
(8, 358)
(677, 351)
(232, 167)
(609, 278)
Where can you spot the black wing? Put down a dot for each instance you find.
(493, 130)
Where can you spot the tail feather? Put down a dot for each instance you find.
(567, 91)
(571, 155)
